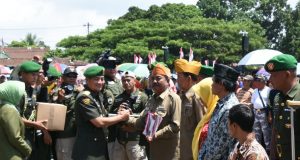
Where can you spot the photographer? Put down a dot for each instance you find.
(66, 94)
(126, 145)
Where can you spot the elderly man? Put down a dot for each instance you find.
(127, 143)
(91, 118)
(218, 143)
(283, 78)
(164, 105)
(192, 110)
(259, 100)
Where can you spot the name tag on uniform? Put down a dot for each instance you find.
(189, 105)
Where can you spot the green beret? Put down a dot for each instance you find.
(52, 72)
(94, 71)
(280, 63)
(155, 63)
(206, 70)
(30, 66)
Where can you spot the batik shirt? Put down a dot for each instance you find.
(249, 150)
(219, 143)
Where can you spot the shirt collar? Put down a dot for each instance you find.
(292, 92)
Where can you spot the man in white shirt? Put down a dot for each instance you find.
(259, 101)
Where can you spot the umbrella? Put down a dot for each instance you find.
(298, 68)
(4, 70)
(60, 67)
(258, 57)
(140, 70)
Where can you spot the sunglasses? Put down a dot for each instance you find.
(71, 76)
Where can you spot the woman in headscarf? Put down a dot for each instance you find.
(209, 100)
(13, 145)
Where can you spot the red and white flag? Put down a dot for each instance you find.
(191, 55)
(140, 59)
(153, 57)
(150, 58)
(135, 59)
(206, 62)
(181, 54)
(214, 62)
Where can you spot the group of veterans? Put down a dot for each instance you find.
(208, 118)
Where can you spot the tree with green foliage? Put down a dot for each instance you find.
(30, 40)
(270, 14)
(172, 25)
(291, 41)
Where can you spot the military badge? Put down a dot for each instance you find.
(86, 101)
(109, 100)
(270, 66)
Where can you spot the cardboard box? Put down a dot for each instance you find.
(54, 113)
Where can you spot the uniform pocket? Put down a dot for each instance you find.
(161, 111)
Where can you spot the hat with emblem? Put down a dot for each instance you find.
(206, 70)
(182, 65)
(94, 71)
(30, 66)
(161, 70)
(225, 72)
(128, 74)
(281, 62)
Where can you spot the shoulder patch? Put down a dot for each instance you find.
(86, 101)
(86, 93)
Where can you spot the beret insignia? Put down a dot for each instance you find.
(270, 66)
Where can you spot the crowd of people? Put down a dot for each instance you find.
(201, 112)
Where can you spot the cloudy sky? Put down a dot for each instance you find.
(53, 20)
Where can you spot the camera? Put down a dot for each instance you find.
(45, 65)
(68, 90)
(130, 102)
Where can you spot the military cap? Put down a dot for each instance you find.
(94, 71)
(248, 78)
(182, 65)
(162, 70)
(260, 77)
(52, 72)
(69, 70)
(128, 74)
(280, 63)
(110, 63)
(30, 66)
(225, 72)
(206, 70)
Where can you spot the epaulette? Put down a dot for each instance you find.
(86, 93)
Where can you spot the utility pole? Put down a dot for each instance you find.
(245, 41)
(88, 27)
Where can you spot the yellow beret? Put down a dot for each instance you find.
(161, 70)
(182, 65)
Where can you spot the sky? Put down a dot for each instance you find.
(53, 20)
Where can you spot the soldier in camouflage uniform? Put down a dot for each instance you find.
(36, 133)
(127, 142)
(66, 94)
(91, 118)
(113, 85)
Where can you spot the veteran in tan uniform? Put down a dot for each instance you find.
(164, 103)
(192, 109)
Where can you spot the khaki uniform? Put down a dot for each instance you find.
(282, 122)
(165, 144)
(90, 142)
(192, 110)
